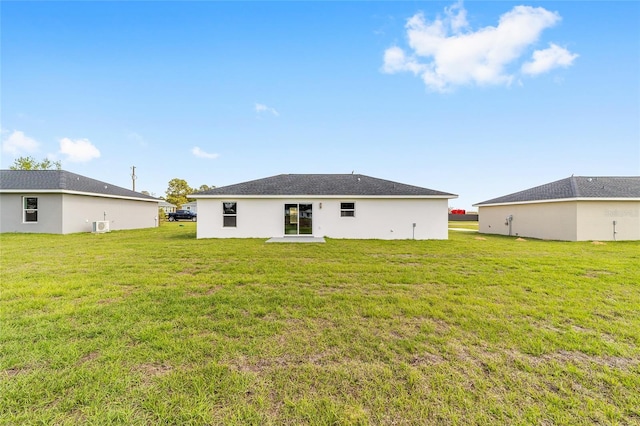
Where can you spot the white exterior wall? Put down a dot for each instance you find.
(191, 206)
(546, 221)
(49, 214)
(69, 213)
(567, 221)
(376, 218)
(80, 211)
(595, 220)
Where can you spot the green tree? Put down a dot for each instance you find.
(177, 192)
(30, 163)
(206, 187)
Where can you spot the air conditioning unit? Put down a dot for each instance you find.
(101, 226)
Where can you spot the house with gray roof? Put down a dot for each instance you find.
(577, 208)
(331, 205)
(61, 202)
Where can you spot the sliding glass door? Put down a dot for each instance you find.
(298, 219)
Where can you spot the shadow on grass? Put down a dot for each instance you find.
(185, 231)
(187, 235)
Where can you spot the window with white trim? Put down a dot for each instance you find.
(229, 214)
(347, 209)
(30, 209)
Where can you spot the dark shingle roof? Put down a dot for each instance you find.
(576, 187)
(61, 180)
(324, 185)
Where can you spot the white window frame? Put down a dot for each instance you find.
(25, 210)
(344, 212)
(234, 215)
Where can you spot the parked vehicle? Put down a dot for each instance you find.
(182, 215)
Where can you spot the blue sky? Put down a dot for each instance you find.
(480, 99)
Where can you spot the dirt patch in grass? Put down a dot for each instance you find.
(596, 273)
(426, 359)
(153, 370)
(208, 292)
(12, 372)
(598, 243)
(574, 357)
(520, 239)
(89, 357)
(107, 301)
(480, 238)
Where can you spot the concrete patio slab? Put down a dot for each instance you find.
(296, 239)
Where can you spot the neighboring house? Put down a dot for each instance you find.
(192, 206)
(337, 206)
(61, 202)
(577, 208)
(167, 207)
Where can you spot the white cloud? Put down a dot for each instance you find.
(200, 153)
(260, 108)
(445, 53)
(18, 143)
(78, 151)
(548, 59)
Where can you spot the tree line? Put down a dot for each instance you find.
(178, 190)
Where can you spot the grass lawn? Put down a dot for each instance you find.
(155, 327)
(464, 224)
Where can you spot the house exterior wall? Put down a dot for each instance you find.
(169, 208)
(595, 220)
(568, 221)
(192, 206)
(80, 211)
(546, 221)
(49, 214)
(375, 218)
(68, 213)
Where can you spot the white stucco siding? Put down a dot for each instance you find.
(374, 218)
(80, 211)
(254, 219)
(547, 221)
(49, 214)
(595, 220)
(579, 220)
(385, 219)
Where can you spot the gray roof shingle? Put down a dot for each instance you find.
(323, 185)
(61, 180)
(576, 187)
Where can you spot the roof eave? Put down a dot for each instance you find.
(558, 200)
(66, 191)
(417, 197)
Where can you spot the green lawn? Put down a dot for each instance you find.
(155, 327)
(464, 224)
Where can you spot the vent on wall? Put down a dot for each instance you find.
(101, 226)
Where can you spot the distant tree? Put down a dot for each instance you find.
(206, 187)
(30, 163)
(177, 192)
(162, 216)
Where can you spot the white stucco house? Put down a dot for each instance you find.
(191, 205)
(167, 207)
(323, 205)
(61, 202)
(578, 208)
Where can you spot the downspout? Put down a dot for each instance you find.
(614, 230)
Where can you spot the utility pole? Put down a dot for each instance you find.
(133, 177)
